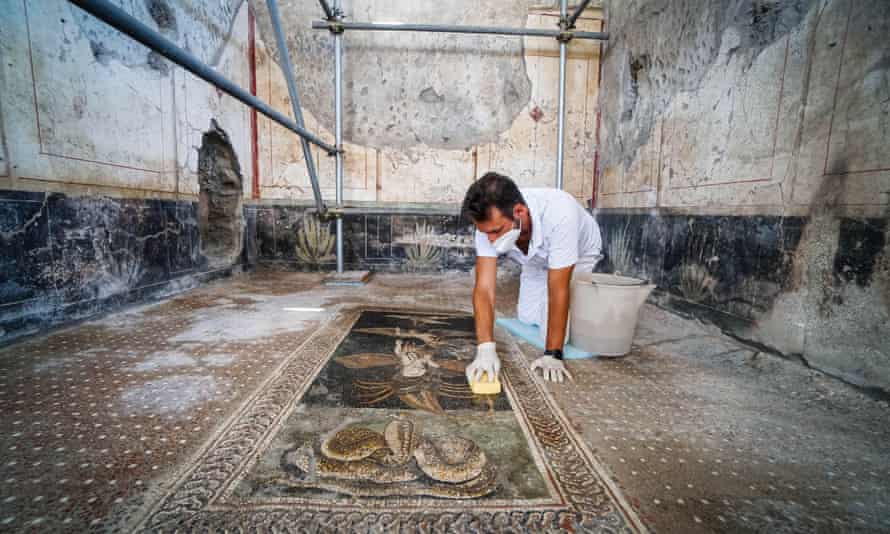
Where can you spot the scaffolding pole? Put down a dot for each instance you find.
(287, 67)
(339, 26)
(328, 12)
(561, 122)
(574, 18)
(125, 23)
(338, 129)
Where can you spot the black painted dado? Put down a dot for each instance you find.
(65, 258)
(382, 242)
(27, 283)
(25, 246)
(734, 264)
(249, 253)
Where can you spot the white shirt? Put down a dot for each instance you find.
(563, 232)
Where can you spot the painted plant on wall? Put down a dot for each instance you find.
(618, 251)
(315, 242)
(423, 254)
(696, 283)
(428, 245)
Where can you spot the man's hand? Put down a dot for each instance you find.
(551, 369)
(486, 362)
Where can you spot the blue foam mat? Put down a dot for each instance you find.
(533, 335)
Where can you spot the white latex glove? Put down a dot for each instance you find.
(486, 362)
(552, 369)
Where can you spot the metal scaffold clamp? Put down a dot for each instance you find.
(565, 30)
(335, 20)
(336, 26)
(565, 36)
(331, 214)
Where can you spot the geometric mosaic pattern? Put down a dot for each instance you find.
(226, 487)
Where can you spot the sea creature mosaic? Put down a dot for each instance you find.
(391, 360)
(370, 425)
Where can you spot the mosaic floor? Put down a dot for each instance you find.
(321, 447)
(271, 399)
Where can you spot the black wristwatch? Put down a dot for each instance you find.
(555, 353)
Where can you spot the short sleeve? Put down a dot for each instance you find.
(563, 236)
(484, 248)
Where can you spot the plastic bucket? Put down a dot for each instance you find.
(604, 312)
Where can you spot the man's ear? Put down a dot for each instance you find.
(518, 210)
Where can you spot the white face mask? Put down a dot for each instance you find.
(506, 242)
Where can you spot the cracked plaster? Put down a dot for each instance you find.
(409, 89)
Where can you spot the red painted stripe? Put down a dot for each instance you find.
(254, 146)
(596, 154)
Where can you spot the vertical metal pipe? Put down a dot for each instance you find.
(286, 66)
(561, 124)
(338, 131)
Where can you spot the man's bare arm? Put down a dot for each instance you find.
(558, 292)
(483, 298)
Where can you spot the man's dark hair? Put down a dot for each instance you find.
(493, 190)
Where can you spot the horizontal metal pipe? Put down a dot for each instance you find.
(122, 21)
(574, 18)
(439, 28)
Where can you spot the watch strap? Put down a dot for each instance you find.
(555, 353)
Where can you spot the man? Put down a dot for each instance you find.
(550, 235)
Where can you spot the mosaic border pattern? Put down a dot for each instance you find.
(591, 502)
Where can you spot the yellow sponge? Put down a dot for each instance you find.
(484, 387)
